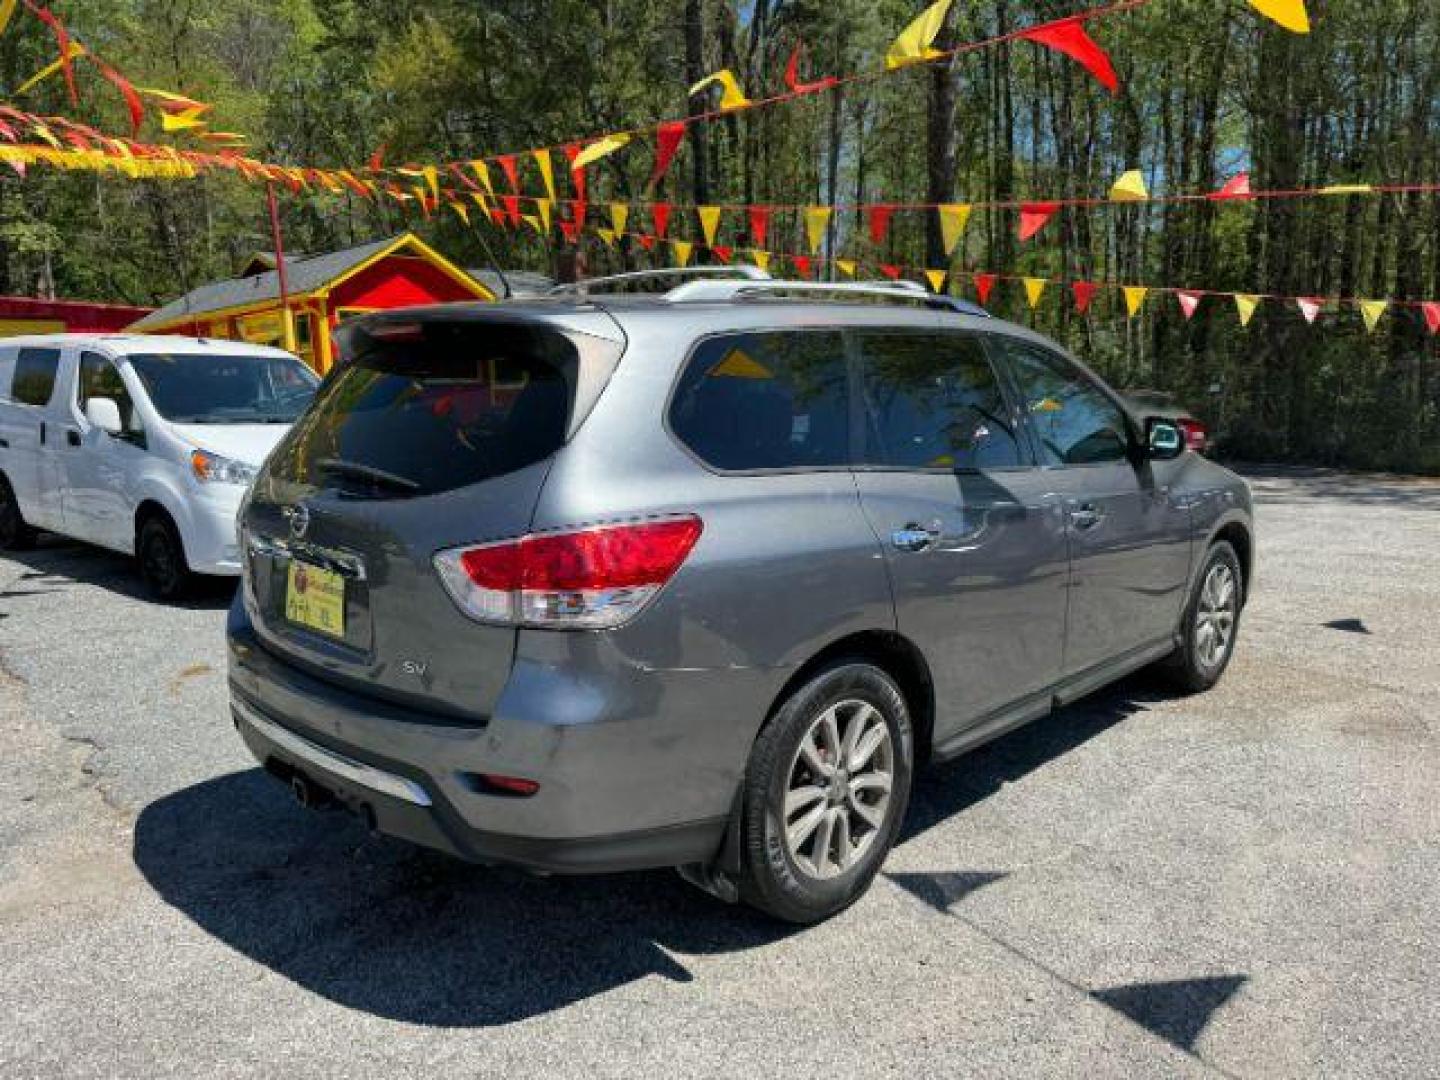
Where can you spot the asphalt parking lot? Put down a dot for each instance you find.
(1244, 883)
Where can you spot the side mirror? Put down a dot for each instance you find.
(104, 413)
(1164, 439)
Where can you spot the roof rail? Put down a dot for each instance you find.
(900, 291)
(618, 282)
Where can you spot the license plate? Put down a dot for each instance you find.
(315, 598)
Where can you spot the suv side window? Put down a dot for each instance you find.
(932, 401)
(34, 381)
(765, 400)
(100, 378)
(1074, 422)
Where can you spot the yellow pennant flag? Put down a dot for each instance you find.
(460, 210)
(598, 149)
(760, 258)
(1347, 189)
(481, 202)
(709, 222)
(181, 121)
(7, 9)
(533, 222)
(1290, 14)
(482, 172)
(1246, 305)
(732, 97)
(608, 235)
(953, 219)
(75, 49)
(619, 215)
(916, 42)
(936, 279)
(1034, 289)
(547, 171)
(817, 220)
(432, 180)
(682, 250)
(543, 208)
(1135, 299)
(1373, 310)
(1130, 188)
(846, 267)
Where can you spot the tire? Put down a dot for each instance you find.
(163, 567)
(15, 535)
(791, 879)
(1198, 663)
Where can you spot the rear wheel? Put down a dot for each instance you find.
(825, 792)
(162, 559)
(15, 535)
(1211, 622)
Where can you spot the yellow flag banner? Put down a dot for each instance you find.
(1290, 14)
(953, 219)
(1135, 299)
(482, 173)
(1347, 189)
(817, 220)
(732, 96)
(1034, 289)
(598, 149)
(760, 258)
(181, 121)
(432, 180)
(7, 9)
(72, 51)
(1246, 304)
(846, 267)
(619, 215)
(682, 250)
(608, 235)
(936, 278)
(916, 42)
(709, 222)
(1130, 188)
(1373, 310)
(543, 208)
(547, 171)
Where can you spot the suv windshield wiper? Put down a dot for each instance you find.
(355, 470)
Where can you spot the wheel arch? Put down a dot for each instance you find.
(1239, 536)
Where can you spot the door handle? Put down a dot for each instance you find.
(72, 436)
(913, 538)
(1086, 516)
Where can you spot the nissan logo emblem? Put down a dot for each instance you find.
(299, 519)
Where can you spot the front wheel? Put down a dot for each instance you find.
(162, 560)
(825, 792)
(1211, 622)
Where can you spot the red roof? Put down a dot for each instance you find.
(77, 315)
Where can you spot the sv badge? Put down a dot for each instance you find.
(417, 668)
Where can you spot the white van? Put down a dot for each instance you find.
(141, 444)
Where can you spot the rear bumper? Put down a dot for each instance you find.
(615, 795)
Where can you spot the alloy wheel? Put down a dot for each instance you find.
(1215, 615)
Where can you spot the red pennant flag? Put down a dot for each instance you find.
(802, 265)
(660, 214)
(792, 76)
(1189, 301)
(880, 222)
(1309, 307)
(891, 271)
(759, 225)
(507, 162)
(1033, 217)
(1069, 37)
(62, 42)
(498, 216)
(1238, 187)
(577, 176)
(984, 286)
(646, 241)
(1084, 293)
(1432, 315)
(377, 159)
(723, 252)
(132, 99)
(512, 209)
(570, 230)
(667, 142)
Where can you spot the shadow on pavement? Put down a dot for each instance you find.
(56, 561)
(416, 936)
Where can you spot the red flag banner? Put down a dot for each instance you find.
(667, 143)
(1069, 37)
(1084, 293)
(62, 42)
(512, 171)
(1238, 187)
(890, 270)
(759, 225)
(880, 222)
(577, 176)
(985, 285)
(1033, 217)
(803, 265)
(1432, 315)
(660, 215)
(1189, 302)
(792, 76)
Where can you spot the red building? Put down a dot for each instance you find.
(24, 315)
(322, 291)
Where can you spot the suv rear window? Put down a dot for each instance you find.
(34, 381)
(420, 408)
(768, 400)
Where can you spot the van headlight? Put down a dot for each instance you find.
(213, 469)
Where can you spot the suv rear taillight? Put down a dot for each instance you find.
(1196, 437)
(585, 579)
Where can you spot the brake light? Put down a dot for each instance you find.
(586, 579)
(1196, 437)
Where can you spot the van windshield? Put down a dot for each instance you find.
(206, 388)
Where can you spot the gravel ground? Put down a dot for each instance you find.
(1243, 883)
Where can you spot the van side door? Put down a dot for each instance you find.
(101, 469)
(29, 435)
(974, 542)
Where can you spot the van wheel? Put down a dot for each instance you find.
(162, 559)
(825, 792)
(1210, 623)
(15, 535)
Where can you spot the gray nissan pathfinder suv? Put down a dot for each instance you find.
(608, 581)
